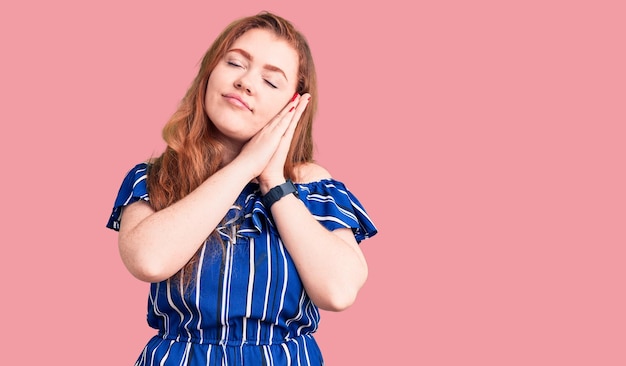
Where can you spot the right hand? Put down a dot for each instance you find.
(260, 149)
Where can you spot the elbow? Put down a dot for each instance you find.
(339, 298)
(146, 273)
(144, 267)
(337, 303)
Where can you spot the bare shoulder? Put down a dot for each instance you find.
(311, 172)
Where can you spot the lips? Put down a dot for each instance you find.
(237, 101)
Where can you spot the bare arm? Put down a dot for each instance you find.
(155, 245)
(330, 263)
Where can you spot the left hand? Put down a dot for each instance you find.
(273, 173)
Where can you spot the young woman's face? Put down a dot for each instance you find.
(255, 79)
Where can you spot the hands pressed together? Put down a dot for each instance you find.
(267, 151)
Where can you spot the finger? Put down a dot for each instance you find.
(281, 121)
(303, 102)
(286, 112)
(293, 123)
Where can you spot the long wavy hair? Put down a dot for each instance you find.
(193, 153)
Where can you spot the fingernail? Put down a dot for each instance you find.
(292, 108)
(309, 98)
(294, 96)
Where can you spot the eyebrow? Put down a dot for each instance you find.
(266, 66)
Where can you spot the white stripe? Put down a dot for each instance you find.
(182, 297)
(267, 290)
(142, 178)
(225, 358)
(300, 328)
(199, 272)
(166, 354)
(249, 294)
(287, 352)
(154, 351)
(258, 332)
(268, 355)
(285, 279)
(158, 312)
(183, 360)
(298, 316)
(331, 218)
(171, 302)
(298, 352)
(269, 277)
(306, 350)
(250, 280)
(358, 208)
(228, 271)
(331, 199)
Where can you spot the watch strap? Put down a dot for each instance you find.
(279, 192)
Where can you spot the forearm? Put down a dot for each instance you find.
(155, 245)
(330, 264)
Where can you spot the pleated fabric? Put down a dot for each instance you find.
(247, 304)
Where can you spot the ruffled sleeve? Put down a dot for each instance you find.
(133, 189)
(334, 206)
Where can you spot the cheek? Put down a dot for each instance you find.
(267, 115)
(217, 80)
(277, 104)
(207, 92)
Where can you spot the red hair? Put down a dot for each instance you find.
(193, 153)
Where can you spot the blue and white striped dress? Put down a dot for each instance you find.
(247, 304)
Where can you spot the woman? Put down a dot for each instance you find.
(239, 257)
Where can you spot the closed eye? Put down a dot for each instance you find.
(231, 63)
(270, 84)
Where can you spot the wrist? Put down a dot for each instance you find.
(266, 184)
(276, 193)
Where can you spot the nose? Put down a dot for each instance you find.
(243, 84)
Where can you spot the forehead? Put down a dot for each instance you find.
(266, 48)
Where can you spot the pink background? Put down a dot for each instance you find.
(485, 138)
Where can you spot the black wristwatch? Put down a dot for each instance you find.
(279, 192)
